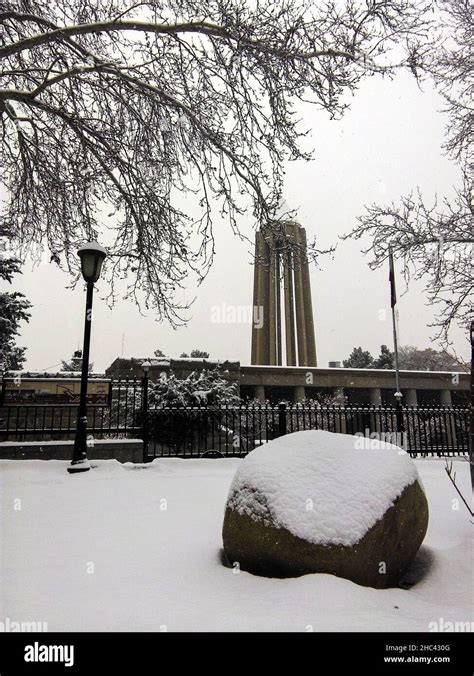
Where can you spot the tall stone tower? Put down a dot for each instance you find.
(281, 263)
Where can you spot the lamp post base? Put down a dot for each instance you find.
(80, 462)
(79, 466)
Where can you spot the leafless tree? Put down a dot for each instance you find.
(452, 68)
(435, 241)
(137, 116)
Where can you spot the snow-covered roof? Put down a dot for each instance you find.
(157, 361)
(152, 360)
(349, 369)
(57, 375)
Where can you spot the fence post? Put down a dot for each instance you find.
(281, 419)
(400, 424)
(2, 394)
(145, 414)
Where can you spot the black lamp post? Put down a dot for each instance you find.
(92, 256)
(399, 417)
(146, 368)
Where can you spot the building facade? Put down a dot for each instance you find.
(374, 387)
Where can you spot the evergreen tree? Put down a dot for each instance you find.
(385, 360)
(359, 359)
(74, 364)
(195, 354)
(13, 310)
(207, 387)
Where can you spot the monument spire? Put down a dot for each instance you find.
(281, 263)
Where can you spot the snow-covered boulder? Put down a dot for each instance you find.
(318, 502)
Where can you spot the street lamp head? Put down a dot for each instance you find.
(146, 367)
(92, 256)
(398, 396)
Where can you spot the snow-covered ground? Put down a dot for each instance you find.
(138, 548)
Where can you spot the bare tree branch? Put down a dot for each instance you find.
(452, 477)
(139, 120)
(435, 243)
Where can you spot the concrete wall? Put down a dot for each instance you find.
(351, 378)
(260, 380)
(301, 382)
(123, 450)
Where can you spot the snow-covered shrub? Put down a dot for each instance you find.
(125, 408)
(193, 413)
(431, 429)
(201, 388)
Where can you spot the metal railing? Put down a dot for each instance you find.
(121, 417)
(234, 431)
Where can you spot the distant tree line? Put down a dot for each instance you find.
(194, 354)
(410, 358)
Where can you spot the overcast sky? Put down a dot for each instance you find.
(388, 143)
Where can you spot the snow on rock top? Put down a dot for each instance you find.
(321, 486)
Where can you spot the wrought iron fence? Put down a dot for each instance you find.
(235, 430)
(225, 430)
(39, 422)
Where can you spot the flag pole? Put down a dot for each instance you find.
(393, 301)
(395, 345)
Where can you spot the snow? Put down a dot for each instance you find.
(56, 376)
(320, 486)
(65, 442)
(201, 394)
(153, 536)
(204, 360)
(349, 369)
(154, 361)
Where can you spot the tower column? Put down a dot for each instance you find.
(299, 393)
(279, 353)
(289, 309)
(300, 309)
(308, 304)
(375, 396)
(262, 335)
(272, 306)
(257, 334)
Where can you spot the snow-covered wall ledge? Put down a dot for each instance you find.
(123, 450)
